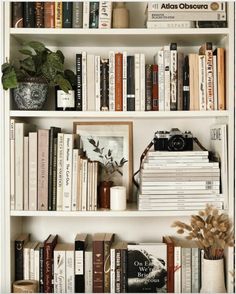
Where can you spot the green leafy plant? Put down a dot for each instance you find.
(41, 63)
(107, 162)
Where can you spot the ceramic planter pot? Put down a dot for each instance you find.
(31, 94)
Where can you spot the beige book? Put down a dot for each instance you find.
(26, 173)
(33, 170)
(79, 185)
(193, 81)
(60, 156)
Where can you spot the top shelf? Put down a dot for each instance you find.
(120, 37)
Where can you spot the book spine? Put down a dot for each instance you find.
(130, 84)
(221, 78)
(19, 165)
(36, 265)
(209, 78)
(60, 161)
(202, 82)
(50, 167)
(170, 24)
(111, 81)
(124, 81)
(67, 172)
(185, 7)
(137, 80)
(48, 266)
(155, 103)
(12, 164)
(31, 267)
(195, 270)
(142, 82)
(59, 271)
(54, 175)
(105, 12)
(84, 82)
(215, 84)
(191, 15)
(33, 167)
(117, 270)
(26, 266)
(78, 102)
(74, 179)
(118, 81)
(77, 15)
(173, 76)
(19, 260)
(43, 156)
(58, 14)
(28, 15)
(39, 15)
(84, 183)
(104, 84)
(41, 269)
(167, 77)
(70, 272)
(93, 15)
(26, 173)
(95, 185)
(67, 14)
(148, 79)
(88, 272)
(91, 103)
(107, 264)
(124, 271)
(49, 15)
(112, 271)
(170, 267)
(186, 95)
(97, 84)
(86, 14)
(161, 79)
(79, 267)
(186, 270)
(17, 14)
(98, 264)
(177, 269)
(180, 57)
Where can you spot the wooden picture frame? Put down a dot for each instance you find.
(114, 136)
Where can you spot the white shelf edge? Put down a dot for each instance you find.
(116, 114)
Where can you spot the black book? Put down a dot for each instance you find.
(28, 15)
(104, 84)
(52, 157)
(17, 14)
(41, 268)
(81, 242)
(130, 84)
(39, 14)
(20, 241)
(148, 87)
(67, 14)
(78, 99)
(186, 94)
(93, 15)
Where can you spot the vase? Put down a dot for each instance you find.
(213, 278)
(31, 94)
(104, 194)
(120, 16)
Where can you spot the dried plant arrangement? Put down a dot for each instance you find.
(213, 231)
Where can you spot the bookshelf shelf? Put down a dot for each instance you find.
(117, 114)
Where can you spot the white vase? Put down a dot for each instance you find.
(213, 278)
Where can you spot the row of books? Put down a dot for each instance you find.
(174, 82)
(184, 180)
(109, 266)
(49, 171)
(185, 14)
(60, 14)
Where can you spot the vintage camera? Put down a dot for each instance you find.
(174, 140)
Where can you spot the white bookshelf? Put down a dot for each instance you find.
(151, 224)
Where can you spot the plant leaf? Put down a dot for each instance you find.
(37, 46)
(9, 80)
(70, 76)
(61, 56)
(54, 61)
(28, 64)
(62, 83)
(91, 141)
(25, 52)
(6, 67)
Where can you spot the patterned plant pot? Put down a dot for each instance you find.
(31, 94)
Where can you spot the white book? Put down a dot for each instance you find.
(186, 270)
(155, 160)
(97, 83)
(105, 14)
(80, 186)
(215, 83)
(202, 82)
(153, 207)
(191, 15)
(12, 163)
(26, 173)
(111, 81)
(90, 185)
(60, 161)
(187, 6)
(84, 80)
(36, 263)
(142, 81)
(124, 81)
(70, 269)
(26, 260)
(181, 164)
(33, 167)
(86, 5)
(170, 24)
(177, 153)
(167, 77)
(91, 105)
(159, 59)
(182, 183)
(75, 179)
(84, 183)
(177, 269)
(32, 261)
(137, 81)
(88, 271)
(180, 192)
(175, 197)
(67, 171)
(196, 270)
(59, 259)
(112, 270)
(95, 184)
(173, 79)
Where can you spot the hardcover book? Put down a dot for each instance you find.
(20, 241)
(39, 15)
(17, 14)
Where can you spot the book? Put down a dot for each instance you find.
(202, 82)
(186, 270)
(186, 89)
(170, 24)
(88, 270)
(124, 86)
(84, 81)
(26, 173)
(186, 6)
(17, 14)
(220, 56)
(167, 77)
(173, 76)
(105, 14)
(26, 260)
(32, 260)
(148, 87)
(12, 163)
(118, 81)
(28, 14)
(159, 59)
(60, 162)
(98, 83)
(130, 83)
(98, 263)
(142, 82)
(91, 103)
(36, 262)
(104, 84)
(180, 75)
(67, 14)
(59, 268)
(147, 268)
(180, 16)
(170, 263)
(77, 14)
(20, 241)
(93, 15)
(41, 268)
(58, 14)
(49, 14)
(81, 243)
(86, 10)
(79, 88)
(215, 85)
(155, 96)
(137, 81)
(194, 81)
(108, 240)
(70, 268)
(39, 15)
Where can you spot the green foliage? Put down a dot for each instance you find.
(107, 162)
(40, 62)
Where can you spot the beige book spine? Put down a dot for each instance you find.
(26, 173)
(33, 170)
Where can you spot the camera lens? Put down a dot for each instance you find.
(176, 143)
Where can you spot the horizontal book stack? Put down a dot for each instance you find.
(160, 15)
(58, 14)
(184, 180)
(109, 266)
(49, 170)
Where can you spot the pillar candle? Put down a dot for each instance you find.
(118, 198)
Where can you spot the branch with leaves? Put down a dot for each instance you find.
(107, 162)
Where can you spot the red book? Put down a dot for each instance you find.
(98, 263)
(155, 103)
(118, 81)
(170, 263)
(49, 15)
(49, 245)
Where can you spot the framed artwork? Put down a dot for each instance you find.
(111, 144)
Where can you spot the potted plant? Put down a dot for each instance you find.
(214, 232)
(31, 77)
(109, 167)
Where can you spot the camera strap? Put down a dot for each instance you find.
(146, 151)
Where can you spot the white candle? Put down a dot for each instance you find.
(118, 198)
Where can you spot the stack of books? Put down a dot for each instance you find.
(179, 180)
(161, 15)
